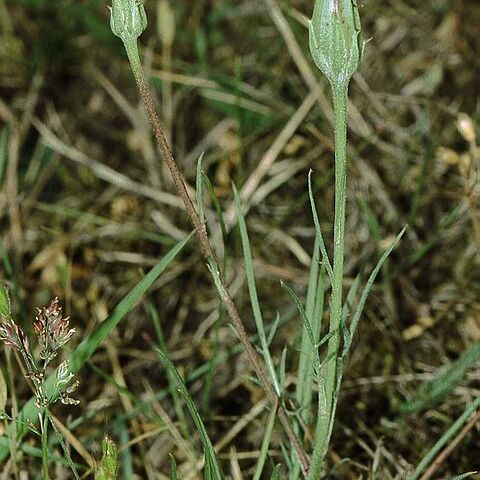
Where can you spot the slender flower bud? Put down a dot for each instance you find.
(128, 19)
(335, 39)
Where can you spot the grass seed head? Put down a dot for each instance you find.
(335, 39)
(52, 329)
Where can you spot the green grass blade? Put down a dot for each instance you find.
(307, 326)
(257, 313)
(317, 364)
(171, 382)
(90, 344)
(127, 459)
(173, 468)
(276, 472)
(216, 205)
(265, 444)
(304, 388)
(212, 467)
(347, 306)
(445, 438)
(318, 230)
(366, 291)
(430, 393)
(463, 475)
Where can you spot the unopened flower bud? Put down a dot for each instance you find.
(335, 39)
(128, 19)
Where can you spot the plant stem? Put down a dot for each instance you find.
(323, 431)
(44, 431)
(207, 251)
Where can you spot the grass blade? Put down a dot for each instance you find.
(173, 468)
(276, 472)
(212, 467)
(257, 313)
(90, 344)
(430, 393)
(445, 438)
(265, 444)
(463, 475)
(366, 291)
(318, 230)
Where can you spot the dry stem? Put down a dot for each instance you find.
(207, 251)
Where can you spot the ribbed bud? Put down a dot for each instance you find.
(335, 39)
(128, 19)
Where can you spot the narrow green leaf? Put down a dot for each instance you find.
(217, 206)
(307, 325)
(276, 472)
(368, 287)
(265, 444)
(212, 467)
(445, 438)
(173, 468)
(464, 475)
(430, 393)
(90, 344)
(318, 230)
(273, 329)
(257, 313)
(171, 383)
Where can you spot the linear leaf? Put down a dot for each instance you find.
(212, 467)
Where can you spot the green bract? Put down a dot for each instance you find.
(128, 19)
(335, 40)
(108, 468)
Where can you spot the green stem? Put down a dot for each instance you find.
(44, 430)
(323, 431)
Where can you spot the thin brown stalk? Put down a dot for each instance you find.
(207, 251)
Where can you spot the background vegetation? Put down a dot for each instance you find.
(86, 207)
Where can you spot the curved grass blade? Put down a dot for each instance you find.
(318, 230)
(212, 467)
(307, 324)
(89, 345)
(366, 291)
(257, 313)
